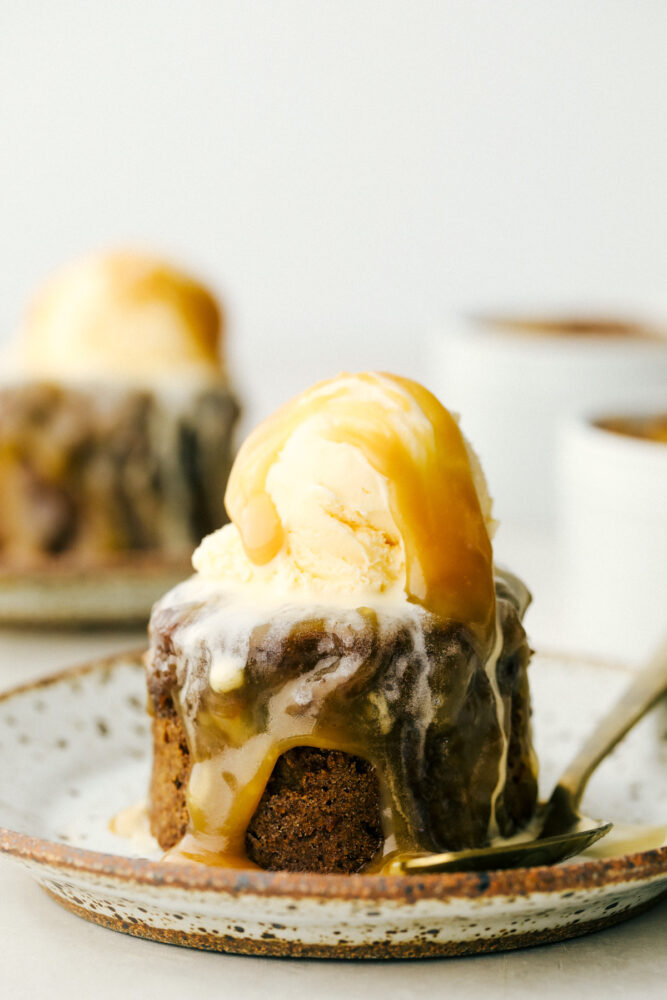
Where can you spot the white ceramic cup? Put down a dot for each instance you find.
(514, 383)
(613, 527)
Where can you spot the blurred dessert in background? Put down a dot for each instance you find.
(344, 679)
(116, 417)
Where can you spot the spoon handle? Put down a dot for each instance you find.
(642, 694)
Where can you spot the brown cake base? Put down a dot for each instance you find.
(321, 808)
(168, 812)
(320, 811)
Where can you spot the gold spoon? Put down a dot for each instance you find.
(564, 832)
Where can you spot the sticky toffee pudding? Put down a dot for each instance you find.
(344, 678)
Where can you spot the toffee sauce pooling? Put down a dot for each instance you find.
(415, 695)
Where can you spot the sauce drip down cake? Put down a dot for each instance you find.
(343, 681)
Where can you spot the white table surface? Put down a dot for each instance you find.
(48, 952)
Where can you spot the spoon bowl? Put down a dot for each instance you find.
(511, 854)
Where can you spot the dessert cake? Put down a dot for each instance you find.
(115, 418)
(344, 679)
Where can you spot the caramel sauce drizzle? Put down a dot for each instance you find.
(236, 738)
(431, 491)
(449, 572)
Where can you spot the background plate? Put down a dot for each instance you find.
(79, 746)
(68, 596)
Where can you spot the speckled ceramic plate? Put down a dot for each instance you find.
(77, 751)
(64, 595)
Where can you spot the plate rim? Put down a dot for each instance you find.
(48, 595)
(72, 569)
(515, 882)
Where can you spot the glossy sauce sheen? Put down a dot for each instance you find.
(355, 678)
(431, 490)
(411, 694)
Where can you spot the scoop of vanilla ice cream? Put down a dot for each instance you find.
(340, 535)
(335, 509)
(120, 315)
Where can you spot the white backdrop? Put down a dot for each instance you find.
(345, 172)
